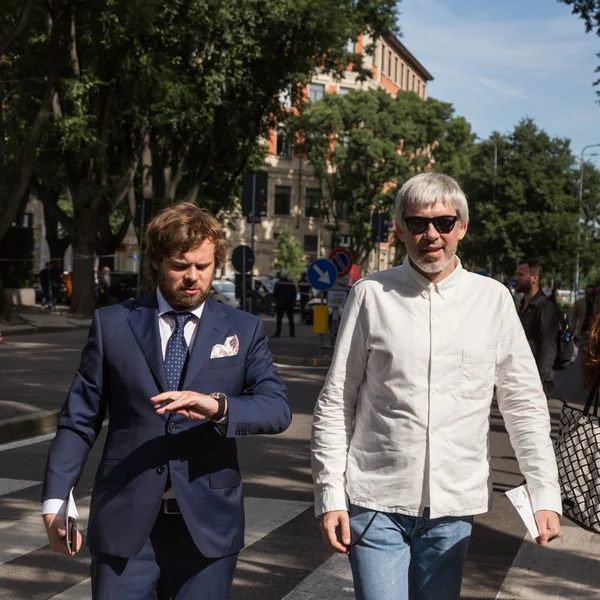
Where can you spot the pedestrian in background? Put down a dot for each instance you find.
(182, 376)
(285, 300)
(104, 283)
(55, 284)
(45, 285)
(305, 290)
(400, 430)
(540, 319)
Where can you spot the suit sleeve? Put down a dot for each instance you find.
(80, 420)
(261, 407)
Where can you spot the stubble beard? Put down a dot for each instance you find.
(435, 265)
(179, 300)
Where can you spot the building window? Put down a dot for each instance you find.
(389, 64)
(28, 220)
(382, 57)
(396, 69)
(284, 145)
(374, 54)
(313, 202)
(407, 79)
(343, 210)
(402, 76)
(311, 243)
(283, 200)
(316, 91)
(344, 90)
(413, 83)
(351, 46)
(419, 87)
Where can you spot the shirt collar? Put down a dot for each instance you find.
(444, 288)
(165, 307)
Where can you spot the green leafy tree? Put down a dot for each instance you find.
(290, 255)
(364, 145)
(162, 101)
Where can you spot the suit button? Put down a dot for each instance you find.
(160, 470)
(172, 427)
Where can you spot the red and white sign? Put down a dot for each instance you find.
(342, 259)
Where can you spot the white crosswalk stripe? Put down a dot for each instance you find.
(263, 515)
(333, 579)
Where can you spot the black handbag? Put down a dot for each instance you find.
(578, 457)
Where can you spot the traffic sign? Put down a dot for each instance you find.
(321, 274)
(242, 259)
(342, 259)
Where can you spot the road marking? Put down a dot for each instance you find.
(34, 440)
(8, 486)
(333, 579)
(29, 534)
(567, 568)
(263, 515)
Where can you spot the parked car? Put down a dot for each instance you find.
(223, 291)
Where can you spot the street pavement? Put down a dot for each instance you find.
(284, 558)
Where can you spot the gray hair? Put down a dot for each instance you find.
(428, 188)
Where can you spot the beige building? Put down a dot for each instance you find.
(294, 193)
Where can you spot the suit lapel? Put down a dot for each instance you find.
(143, 321)
(211, 331)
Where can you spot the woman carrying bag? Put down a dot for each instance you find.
(578, 444)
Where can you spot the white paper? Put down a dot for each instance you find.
(521, 500)
(71, 509)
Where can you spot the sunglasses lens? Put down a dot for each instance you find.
(416, 224)
(444, 224)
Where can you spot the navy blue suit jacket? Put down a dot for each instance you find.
(121, 369)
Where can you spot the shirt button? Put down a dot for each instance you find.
(160, 470)
(172, 427)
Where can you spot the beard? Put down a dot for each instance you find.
(178, 299)
(429, 264)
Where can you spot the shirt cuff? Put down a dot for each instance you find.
(53, 506)
(221, 424)
(546, 500)
(329, 499)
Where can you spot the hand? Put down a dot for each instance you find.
(548, 524)
(57, 535)
(329, 523)
(189, 404)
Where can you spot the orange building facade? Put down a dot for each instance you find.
(294, 193)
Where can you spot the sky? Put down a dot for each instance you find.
(498, 61)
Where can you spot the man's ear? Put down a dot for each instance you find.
(399, 232)
(463, 230)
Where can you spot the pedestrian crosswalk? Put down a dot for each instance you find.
(284, 558)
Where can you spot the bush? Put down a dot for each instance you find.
(16, 253)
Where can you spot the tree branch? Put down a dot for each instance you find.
(21, 25)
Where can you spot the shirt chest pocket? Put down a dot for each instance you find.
(478, 370)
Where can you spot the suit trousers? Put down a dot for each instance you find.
(290, 315)
(168, 567)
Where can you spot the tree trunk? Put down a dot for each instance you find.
(83, 300)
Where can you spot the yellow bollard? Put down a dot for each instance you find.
(320, 319)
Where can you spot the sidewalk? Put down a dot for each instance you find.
(25, 412)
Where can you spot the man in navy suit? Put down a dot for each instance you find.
(181, 377)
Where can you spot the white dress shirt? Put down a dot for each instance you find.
(166, 326)
(402, 421)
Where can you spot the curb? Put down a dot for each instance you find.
(25, 329)
(297, 361)
(21, 427)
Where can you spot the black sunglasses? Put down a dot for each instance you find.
(443, 224)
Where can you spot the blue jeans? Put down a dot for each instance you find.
(401, 557)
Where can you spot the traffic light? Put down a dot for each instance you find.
(380, 225)
(255, 182)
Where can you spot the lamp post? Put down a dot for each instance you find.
(580, 202)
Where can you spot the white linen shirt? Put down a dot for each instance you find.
(402, 421)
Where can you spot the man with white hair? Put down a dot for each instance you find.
(400, 431)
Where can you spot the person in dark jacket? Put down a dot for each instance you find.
(305, 290)
(45, 285)
(285, 299)
(540, 320)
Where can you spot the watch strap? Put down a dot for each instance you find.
(221, 398)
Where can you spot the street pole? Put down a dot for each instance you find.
(579, 210)
(252, 234)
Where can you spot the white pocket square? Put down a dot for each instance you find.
(230, 347)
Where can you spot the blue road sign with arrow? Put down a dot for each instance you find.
(321, 274)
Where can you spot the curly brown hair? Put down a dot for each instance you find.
(179, 229)
(591, 360)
